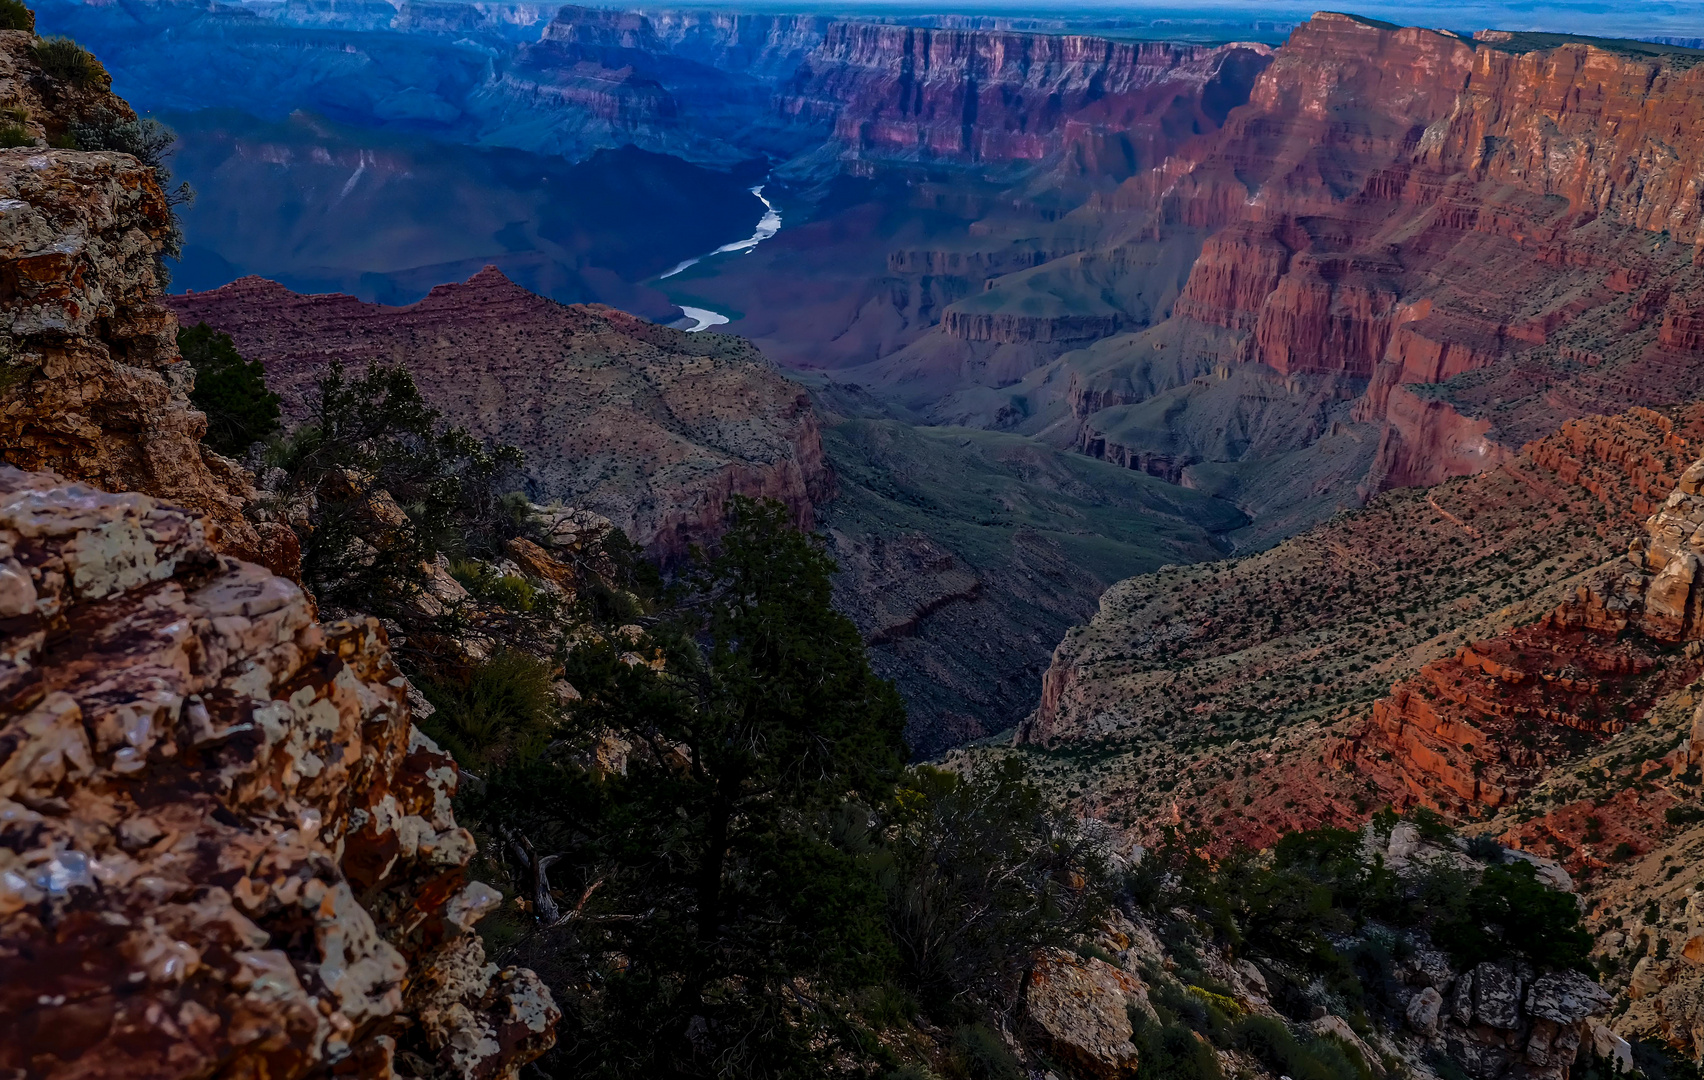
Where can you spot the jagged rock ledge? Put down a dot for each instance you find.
(224, 847)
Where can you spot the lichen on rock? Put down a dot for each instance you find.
(224, 847)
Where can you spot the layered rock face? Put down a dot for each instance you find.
(226, 850)
(91, 383)
(976, 96)
(650, 427)
(1479, 728)
(1403, 206)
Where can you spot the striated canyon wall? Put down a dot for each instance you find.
(1513, 217)
(990, 97)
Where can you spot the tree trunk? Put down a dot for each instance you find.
(537, 872)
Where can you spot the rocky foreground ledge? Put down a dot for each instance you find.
(224, 847)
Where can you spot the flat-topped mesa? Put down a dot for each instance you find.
(227, 850)
(996, 97)
(652, 428)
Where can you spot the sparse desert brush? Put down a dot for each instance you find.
(15, 16)
(65, 61)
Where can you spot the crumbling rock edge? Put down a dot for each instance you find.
(224, 847)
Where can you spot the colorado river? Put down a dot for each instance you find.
(703, 318)
(767, 226)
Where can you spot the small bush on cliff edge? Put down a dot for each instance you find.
(232, 391)
(1512, 913)
(150, 142)
(15, 16)
(64, 61)
(496, 713)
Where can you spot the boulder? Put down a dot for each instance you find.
(1566, 997)
(1079, 1007)
(1461, 999)
(1423, 1011)
(1607, 1044)
(1497, 996)
(1335, 1027)
(1431, 967)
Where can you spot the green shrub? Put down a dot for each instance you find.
(1170, 1051)
(887, 1006)
(232, 391)
(508, 591)
(513, 593)
(1485, 849)
(378, 434)
(500, 712)
(980, 881)
(1269, 1040)
(15, 16)
(65, 61)
(983, 1055)
(1511, 913)
(1684, 815)
(1430, 823)
(15, 134)
(145, 139)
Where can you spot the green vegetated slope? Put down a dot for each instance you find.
(965, 554)
(977, 488)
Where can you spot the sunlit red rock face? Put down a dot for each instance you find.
(1257, 696)
(981, 96)
(224, 848)
(1477, 729)
(651, 427)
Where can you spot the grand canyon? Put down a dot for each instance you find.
(1073, 543)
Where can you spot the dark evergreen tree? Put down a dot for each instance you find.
(232, 391)
(391, 486)
(722, 893)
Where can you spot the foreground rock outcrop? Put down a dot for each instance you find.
(650, 427)
(224, 847)
(1080, 1011)
(91, 383)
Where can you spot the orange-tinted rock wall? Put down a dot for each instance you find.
(1476, 729)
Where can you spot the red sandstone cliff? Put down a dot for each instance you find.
(651, 427)
(1287, 659)
(1403, 206)
(1478, 728)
